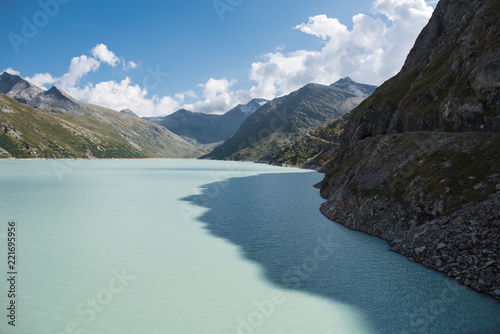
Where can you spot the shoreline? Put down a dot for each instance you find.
(463, 245)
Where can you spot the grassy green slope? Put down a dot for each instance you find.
(316, 148)
(26, 132)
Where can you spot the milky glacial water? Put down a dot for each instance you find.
(186, 246)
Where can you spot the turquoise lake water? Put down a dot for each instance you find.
(187, 246)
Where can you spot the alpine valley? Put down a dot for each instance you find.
(281, 121)
(208, 128)
(415, 161)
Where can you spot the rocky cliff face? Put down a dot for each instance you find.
(450, 81)
(419, 163)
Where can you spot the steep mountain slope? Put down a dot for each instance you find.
(357, 89)
(26, 132)
(57, 101)
(419, 161)
(208, 128)
(315, 149)
(118, 135)
(283, 120)
(130, 112)
(17, 88)
(29, 133)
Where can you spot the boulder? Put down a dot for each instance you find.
(420, 250)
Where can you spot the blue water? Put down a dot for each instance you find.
(185, 246)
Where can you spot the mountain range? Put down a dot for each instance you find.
(124, 135)
(52, 124)
(281, 121)
(208, 128)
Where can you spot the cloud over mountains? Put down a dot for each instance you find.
(372, 51)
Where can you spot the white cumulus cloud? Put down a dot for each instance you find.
(42, 80)
(130, 65)
(101, 52)
(126, 95)
(218, 97)
(12, 71)
(371, 52)
(78, 68)
(323, 27)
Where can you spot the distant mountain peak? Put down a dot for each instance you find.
(208, 128)
(128, 112)
(18, 88)
(57, 92)
(349, 86)
(56, 100)
(252, 106)
(7, 79)
(312, 85)
(8, 76)
(258, 101)
(345, 80)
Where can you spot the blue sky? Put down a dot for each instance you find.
(155, 57)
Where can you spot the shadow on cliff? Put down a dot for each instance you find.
(275, 220)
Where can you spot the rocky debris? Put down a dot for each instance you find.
(420, 250)
(479, 186)
(464, 245)
(402, 198)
